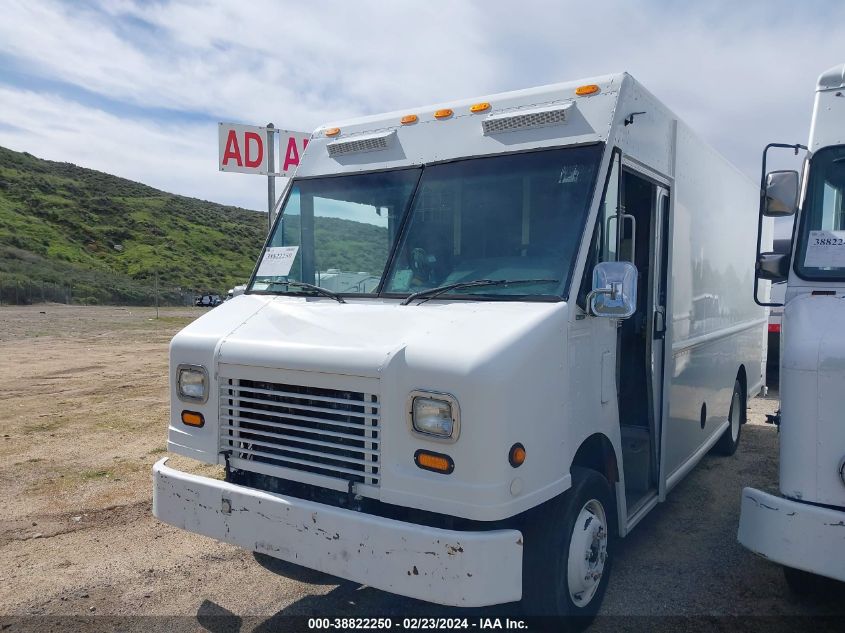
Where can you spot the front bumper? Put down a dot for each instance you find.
(793, 533)
(469, 569)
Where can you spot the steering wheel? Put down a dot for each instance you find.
(420, 264)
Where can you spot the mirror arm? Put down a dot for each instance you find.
(599, 291)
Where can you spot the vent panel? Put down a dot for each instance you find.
(526, 119)
(361, 144)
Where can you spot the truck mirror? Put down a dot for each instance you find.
(614, 292)
(781, 194)
(773, 266)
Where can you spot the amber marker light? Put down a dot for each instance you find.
(445, 113)
(192, 418)
(408, 119)
(333, 131)
(479, 107)
(437, 462)
(588, 89)
(516, 456)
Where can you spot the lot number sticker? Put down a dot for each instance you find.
(277, 261)
(825, 249)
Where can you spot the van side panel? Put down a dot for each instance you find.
(715, 326)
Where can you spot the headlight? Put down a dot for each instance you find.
(435, 415)
(192, 383)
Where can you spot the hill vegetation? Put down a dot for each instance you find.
(70, 233)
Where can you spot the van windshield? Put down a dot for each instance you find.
(821, 242)
(337, 232)
(512, 217)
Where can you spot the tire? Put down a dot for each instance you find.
(570, 538)
(729, 441)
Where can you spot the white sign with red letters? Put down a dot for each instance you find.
(243, 149)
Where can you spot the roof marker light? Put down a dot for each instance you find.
(445, 113)
(588, 89)
(333, 131)
(479, 107)
(408, 119)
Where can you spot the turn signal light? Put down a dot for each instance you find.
(516, 456)
(192, 418)
(479, 107)
(408, 119)
(438, 462)
(586, 90)
(333, 131)
(445, 113)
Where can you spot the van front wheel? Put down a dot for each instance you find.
(569, 547)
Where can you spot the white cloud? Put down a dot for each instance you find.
(739, 74)
(174, 157)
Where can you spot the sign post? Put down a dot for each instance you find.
(250, 149)
(271, 179)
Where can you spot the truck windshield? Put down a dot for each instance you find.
(821, 243)
(512, 217)
(338, 231)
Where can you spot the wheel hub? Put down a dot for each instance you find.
(587, 553)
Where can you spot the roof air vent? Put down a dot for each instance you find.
(526, 119)
(360, 144)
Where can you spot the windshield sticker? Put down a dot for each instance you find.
(277, 261)
(825, 249)
(568, 174)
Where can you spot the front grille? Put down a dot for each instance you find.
(326, 432)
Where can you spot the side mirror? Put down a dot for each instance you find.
(614, 292)
(773, 266)
(781, 194)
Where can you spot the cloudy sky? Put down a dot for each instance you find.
(136, 88)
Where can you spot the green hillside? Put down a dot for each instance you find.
(106, 237)
(66, 231)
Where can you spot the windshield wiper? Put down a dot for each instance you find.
(312, 287)
(431, 293)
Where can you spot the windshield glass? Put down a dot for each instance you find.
(336, 232)
(514, 217)
(821, 243)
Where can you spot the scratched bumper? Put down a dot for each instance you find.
(444, 566)
(793, 533)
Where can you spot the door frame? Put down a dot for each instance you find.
(663, 187)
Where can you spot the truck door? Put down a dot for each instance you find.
(641, 230)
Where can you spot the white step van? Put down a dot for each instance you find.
(804, 529)
(538, 322)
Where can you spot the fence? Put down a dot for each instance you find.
(14, 292)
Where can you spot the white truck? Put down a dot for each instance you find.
(561, 328)
(804, 529)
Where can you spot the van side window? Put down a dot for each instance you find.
(603, 245)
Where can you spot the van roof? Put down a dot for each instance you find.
(533, 118)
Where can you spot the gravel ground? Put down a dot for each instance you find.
(84, 416)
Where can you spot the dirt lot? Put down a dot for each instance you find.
(83, 416)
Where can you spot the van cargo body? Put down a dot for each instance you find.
(804, 528)
(484, 339)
